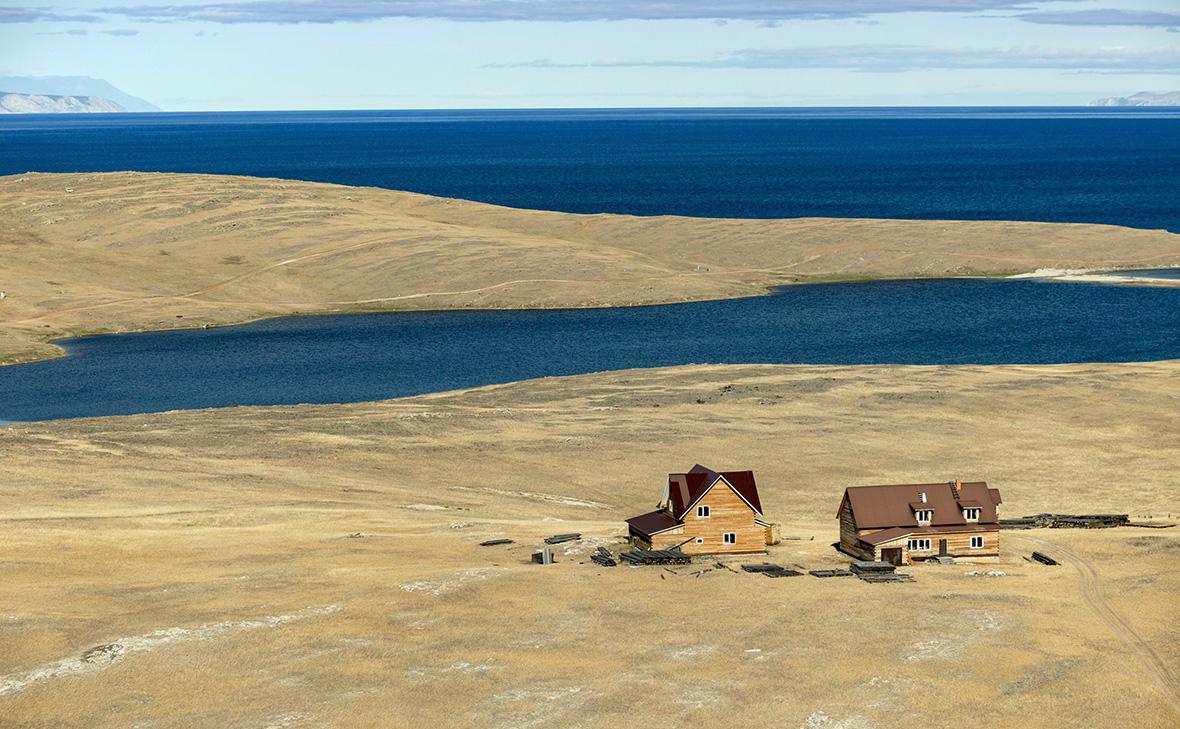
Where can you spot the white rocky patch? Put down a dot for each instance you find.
(99, 657)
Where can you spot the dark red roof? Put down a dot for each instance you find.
(685, 488)
(882, 507)
(653, 523)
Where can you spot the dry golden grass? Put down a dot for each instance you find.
(131, 251)
(213, 549)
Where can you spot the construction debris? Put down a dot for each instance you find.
(770, 570)
(886, 577)
(603, 558)
(641, 556)
(831, 573)
(878, 572)
(493, 542)
(799, 539)
(860, 567)
(1067, 521)
(545, 556)
(1044, 559)
(559, 538)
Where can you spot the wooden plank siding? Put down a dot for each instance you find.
(727, 513)
(849, 535)
(958, 546)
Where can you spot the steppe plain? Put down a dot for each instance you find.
(319, 565)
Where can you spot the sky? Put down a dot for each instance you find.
(398, 54)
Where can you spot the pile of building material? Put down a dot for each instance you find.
(667, 556)
(878, 572)
(494, 542)
(545, 556)
(603, 558)
(831, 573)
(1067, 521)
(559, 538)
(1044, 559)
(770, 570)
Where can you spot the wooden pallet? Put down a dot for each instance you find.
(831, 573)
(658, 556)
(770, 570)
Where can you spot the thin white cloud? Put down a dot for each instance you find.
(894, 58)
(38, 15)
(343, 11)
(1106, 17)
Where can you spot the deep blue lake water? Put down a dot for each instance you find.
(373, 356)
(1101, 165)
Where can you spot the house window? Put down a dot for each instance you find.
(919, 545)
(971, 514)
(977, 542)
(703, 512)
(925, 514)
(700, 540)
(729, 538)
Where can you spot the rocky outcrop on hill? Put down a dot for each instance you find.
(1143, 98)
(45, 104)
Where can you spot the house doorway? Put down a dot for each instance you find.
(942, 550)
(891, 555)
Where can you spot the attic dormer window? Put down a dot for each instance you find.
(924, 515)
(971, 514)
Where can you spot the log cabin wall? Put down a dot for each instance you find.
(727, 513)
(958, 546)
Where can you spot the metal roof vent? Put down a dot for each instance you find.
(922, 497)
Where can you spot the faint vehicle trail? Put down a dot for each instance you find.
(1092, 592)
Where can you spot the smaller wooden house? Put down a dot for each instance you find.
(908, 523)
(705, 512)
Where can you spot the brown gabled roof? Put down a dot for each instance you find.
(653, 523)
(685, 488)
(882, 507)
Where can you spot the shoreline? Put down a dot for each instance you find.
(1070, 276)
(111, 253)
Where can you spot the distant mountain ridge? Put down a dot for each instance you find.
(53, 104)
(74, 86)
(1143, 98)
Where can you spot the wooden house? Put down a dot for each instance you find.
(908, 523)
(705, 512)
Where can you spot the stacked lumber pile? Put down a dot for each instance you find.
(603, 558)
(770, 570)
(1067, 521)
(559, 538)
(878, 572)
(1044, 559)
(666, 556)
(831, 573)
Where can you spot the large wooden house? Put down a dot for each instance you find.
(908, 523)
(705, 512)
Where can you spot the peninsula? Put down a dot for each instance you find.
(89, 253)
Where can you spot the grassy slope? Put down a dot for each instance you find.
(130, 251)
(117, 528)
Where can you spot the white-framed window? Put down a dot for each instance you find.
(703, 512)
(919, 545)
(977, 542)
(971, 514)
(700, 540)
(924, 514)
(729, 538)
